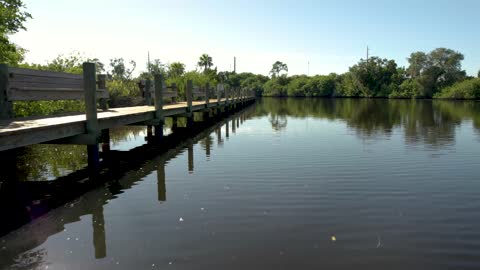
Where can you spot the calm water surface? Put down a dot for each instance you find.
(296, 184)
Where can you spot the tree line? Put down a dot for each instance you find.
(434, 74)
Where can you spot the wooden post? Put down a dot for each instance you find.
(206, 113)
(219, 97)
(102, 84)
(207, 94)
(174, 89)
(6, 107)
(158, 106)
(189, 96)
(226, 95)
(90, 88)
(148, 93)
(105, 133)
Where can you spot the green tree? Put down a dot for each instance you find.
(417, 64)
(438, 69)
(376, 75)
(176, 69)
(71, 63)
(277, 87)
(12, 19)
(205, 61)
(119, 71)
(278, 67)
(154, 67)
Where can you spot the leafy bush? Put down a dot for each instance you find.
(408, 89)
(468, 89)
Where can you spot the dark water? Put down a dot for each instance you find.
(296, 184)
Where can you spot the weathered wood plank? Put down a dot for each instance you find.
(43, 73)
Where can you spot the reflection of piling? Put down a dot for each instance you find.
(227, 127)
(161, 188)
(190, 158)
(219, 135)
(99, 239)
(207, 145)
(234, 127)
(238, 122)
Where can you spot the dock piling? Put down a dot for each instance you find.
(6, 106)
(92, 127)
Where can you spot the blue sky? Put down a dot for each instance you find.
(331, 35)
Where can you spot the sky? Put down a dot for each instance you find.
(311, 37)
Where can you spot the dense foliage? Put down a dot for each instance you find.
(436, 74)
(12, 18)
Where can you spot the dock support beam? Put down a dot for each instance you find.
(90, 88)
(158, 107)
(6, 107)
(206, 112)
(189, 96)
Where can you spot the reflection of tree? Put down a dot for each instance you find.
(278, 122)
(39, 162)
(422, 121)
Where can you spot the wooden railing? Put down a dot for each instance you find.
(19, 84)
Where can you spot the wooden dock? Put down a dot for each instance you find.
(27, 131)
(91, 128)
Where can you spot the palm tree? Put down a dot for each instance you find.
(205, 61)
(176, 69)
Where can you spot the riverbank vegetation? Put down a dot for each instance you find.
(434, 74)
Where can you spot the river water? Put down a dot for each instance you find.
(285, 184)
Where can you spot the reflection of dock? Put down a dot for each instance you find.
(93, 202)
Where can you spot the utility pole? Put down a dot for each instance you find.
(234, 64)
(148, 62)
